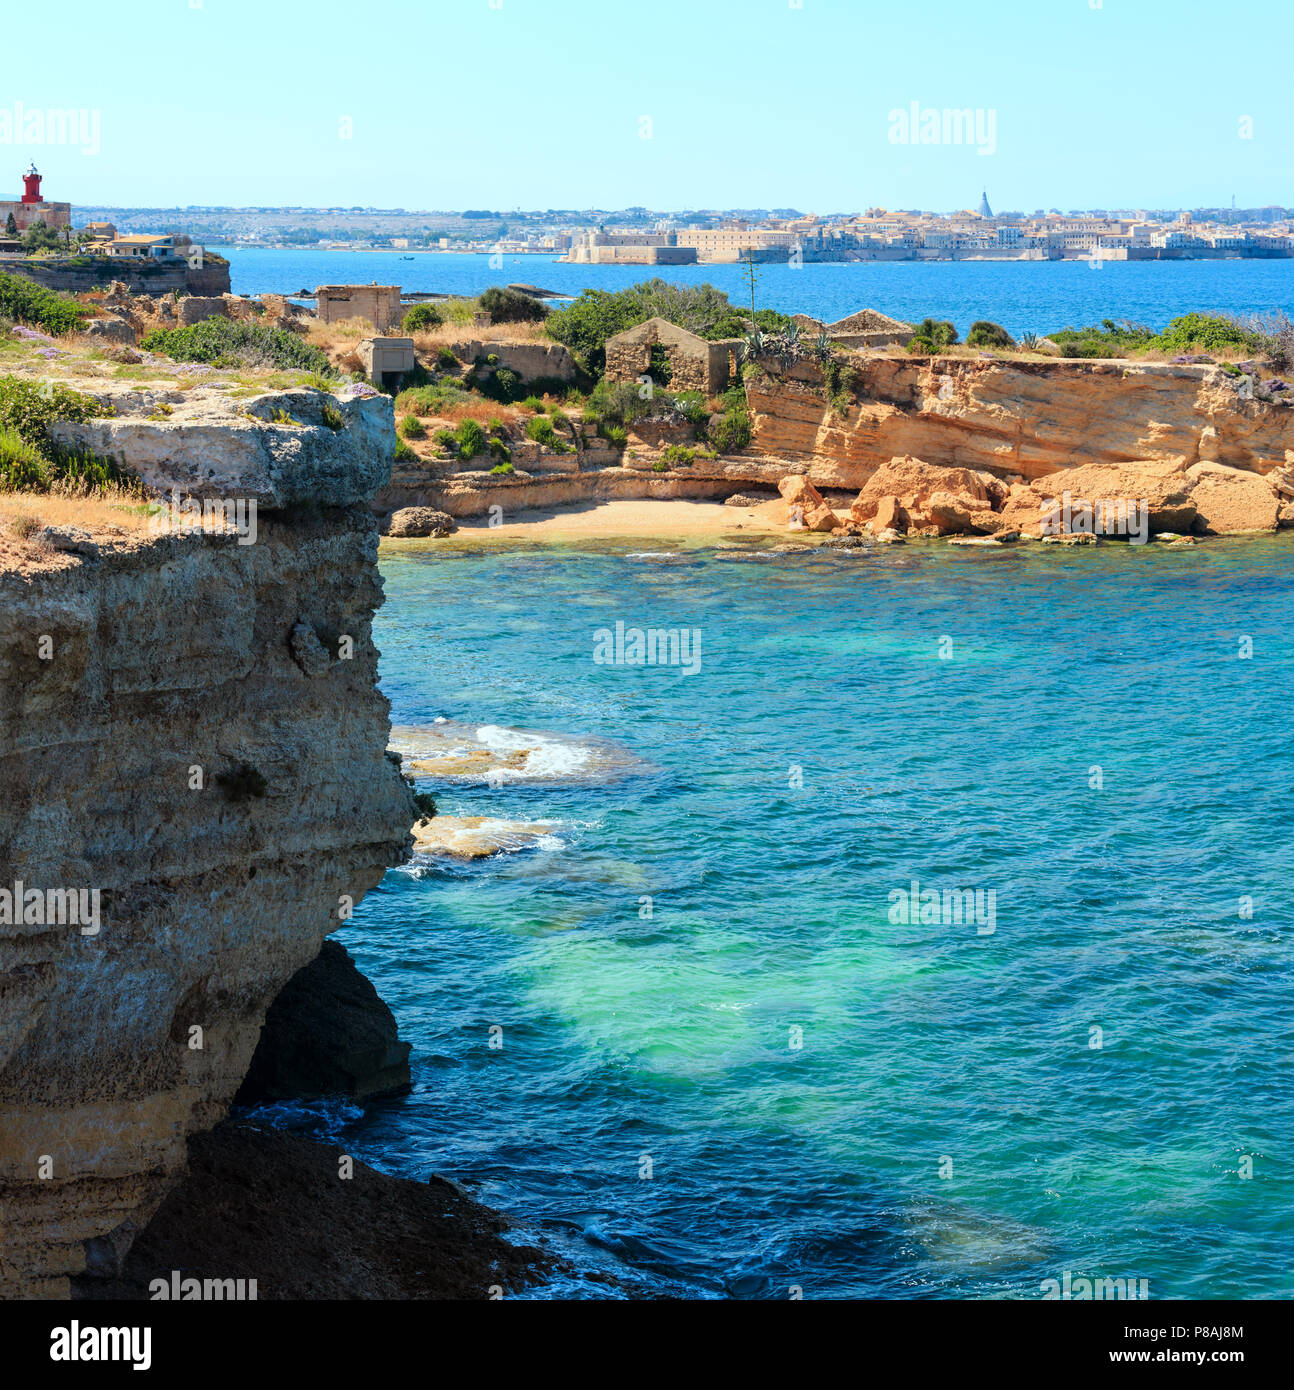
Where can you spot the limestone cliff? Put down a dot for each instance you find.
(190, 726)
(1027, 419)
(1190, 438)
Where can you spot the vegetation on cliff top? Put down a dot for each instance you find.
(223, 342)
(1207, 333)
(30, 461)
(24, 301)
(585, 324)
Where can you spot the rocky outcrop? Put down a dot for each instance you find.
(418, 521)
(278, 450)
(327, 1034)
(162, 746)
(261, 1205)
(1017, 419)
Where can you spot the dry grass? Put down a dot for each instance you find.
(447, 334)
(337, 337)
(114, 512)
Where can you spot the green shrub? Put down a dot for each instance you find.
(677, 456)
(420, 318)
(503, 385)
(23, 301)
(28, 409)
(470, 438)
(445, 438)
(511, 306)
(332, 417)
(22, 465)
(222, 342)
(986, 334)
(500, 451)
(932, 336)
(586, 323)
(732, 431)
(540, 429)
(403, 453)
(1209, 333)
(535, 404)
(412, 428)
(503, 468)
(446, 359)
(659, 466)
(693, 408)
(424, 804)
(615, 435)
(1109, 338)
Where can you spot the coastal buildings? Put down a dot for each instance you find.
(879, 234)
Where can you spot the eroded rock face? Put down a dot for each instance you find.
(1025, 419)
(278, 450)
(165, 748)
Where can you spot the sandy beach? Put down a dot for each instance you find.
(647, 519)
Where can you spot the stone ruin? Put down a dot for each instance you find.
(696, 364)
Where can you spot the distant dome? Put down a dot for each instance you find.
(984, 210)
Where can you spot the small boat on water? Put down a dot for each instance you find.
(406, 258)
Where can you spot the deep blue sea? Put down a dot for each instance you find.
(1027, 296)
(722, 1066)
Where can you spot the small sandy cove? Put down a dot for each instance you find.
(648, 520)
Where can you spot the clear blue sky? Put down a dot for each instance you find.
(756, 103)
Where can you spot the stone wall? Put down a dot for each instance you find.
(379, 304)
(530, 361)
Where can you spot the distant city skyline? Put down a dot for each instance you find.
(819, 105)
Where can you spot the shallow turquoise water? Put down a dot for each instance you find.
(1117, 908)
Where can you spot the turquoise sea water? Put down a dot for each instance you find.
(1024, 296)
(924, 1049)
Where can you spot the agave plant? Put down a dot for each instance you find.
(822, 345)
(753, 345)
(1029, 342)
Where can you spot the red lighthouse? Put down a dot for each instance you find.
(31, 186)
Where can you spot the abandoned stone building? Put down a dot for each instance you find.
(696, 364)
(866, 328)
(379, 304)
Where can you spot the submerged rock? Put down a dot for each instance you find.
(477, 837)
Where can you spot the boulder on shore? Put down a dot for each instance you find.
(928, 497)
(419, 521)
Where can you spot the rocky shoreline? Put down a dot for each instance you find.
(300, 1217)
